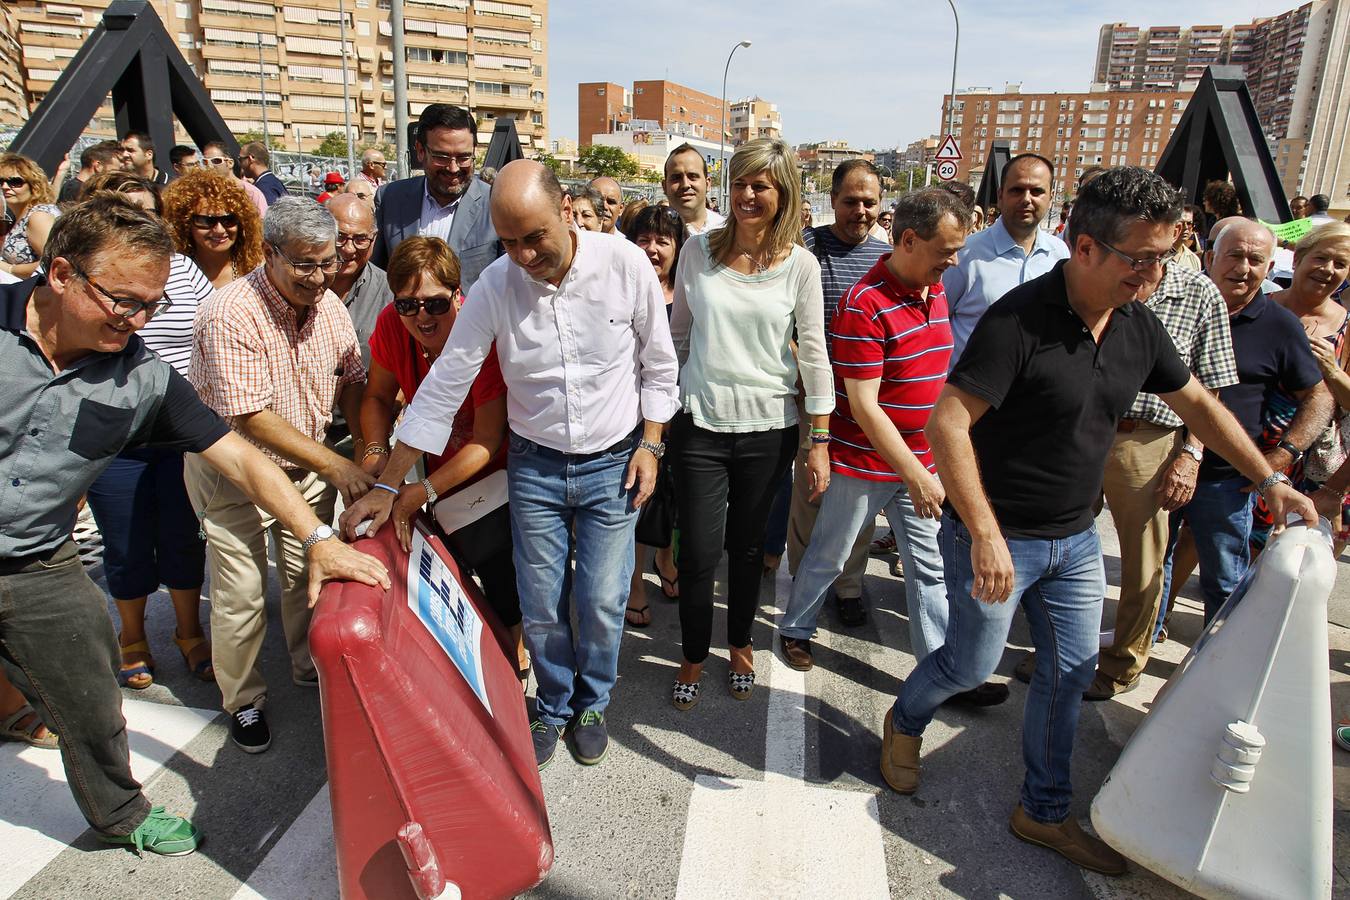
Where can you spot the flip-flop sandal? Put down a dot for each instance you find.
(201, 669)
(136, 674)
(10, 730)
(643, 614)
(673, 582)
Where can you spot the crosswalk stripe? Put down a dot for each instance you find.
(302, 864)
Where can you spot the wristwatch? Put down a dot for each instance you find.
(1293, 451)
(1271, 480)
(657, 450)
(1193, 452)
(322, 533)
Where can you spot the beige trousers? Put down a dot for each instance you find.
(802, 521)
(1134, 469)
(236, 552)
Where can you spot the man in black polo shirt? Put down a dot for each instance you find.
(81, 388)
(1020, 435)
(1271, 350)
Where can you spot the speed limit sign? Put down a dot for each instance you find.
(946, 170)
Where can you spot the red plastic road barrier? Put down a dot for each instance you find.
(431, 770)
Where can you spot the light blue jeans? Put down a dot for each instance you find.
(1060, 584)
(850, 505)
(553, 496)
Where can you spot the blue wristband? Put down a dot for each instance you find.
(385, 487)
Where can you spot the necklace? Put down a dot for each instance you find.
(759, 267)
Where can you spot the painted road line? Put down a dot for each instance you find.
(38, 816)
(781, 837)
(303, 864)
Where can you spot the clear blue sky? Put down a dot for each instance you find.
(871, 72)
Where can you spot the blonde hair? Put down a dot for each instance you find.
(1331, 232)
(32, 173)
(774, 158)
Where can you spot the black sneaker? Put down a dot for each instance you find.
(590, 740)
(991, 693)
(248, 729)
(852, 613)
(545, 737)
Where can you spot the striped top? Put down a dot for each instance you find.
(841, 265)
(885, 330)
(169, 333)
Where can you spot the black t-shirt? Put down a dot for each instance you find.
(1272, 355)
(1055, 398)
(183, 421)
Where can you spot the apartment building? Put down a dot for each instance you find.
(754, 117)
(13, 106)
(1297, 74)
(489, 56)
(1099, 127)
(602, 107)
(606, 108)
(819, 160)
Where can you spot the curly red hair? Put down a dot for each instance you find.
(210, 192)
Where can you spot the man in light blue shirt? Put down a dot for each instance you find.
(1011, 251)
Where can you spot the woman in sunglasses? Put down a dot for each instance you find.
(409, 335)
(149, 531)
(214, 223)
(31, 201)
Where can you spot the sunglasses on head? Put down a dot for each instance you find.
(206, 223)
(435, 306)
(14, 181)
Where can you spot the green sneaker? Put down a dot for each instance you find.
(1342, 734)
(160, 833)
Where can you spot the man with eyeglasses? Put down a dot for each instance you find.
(447, 201)
(1020, 434)
(273, 353)
(373, 167)
(217, 158)
(81, 387)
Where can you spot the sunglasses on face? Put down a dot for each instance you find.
(14, 181)
(218, 161)
(435, 306)
(206, 223)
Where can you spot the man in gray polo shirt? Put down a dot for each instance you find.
(82, 387)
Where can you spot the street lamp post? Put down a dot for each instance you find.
(956, 46)
(722, 153)
(346, 93)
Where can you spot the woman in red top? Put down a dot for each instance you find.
(409, 334)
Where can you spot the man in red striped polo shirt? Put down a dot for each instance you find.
(891, 344)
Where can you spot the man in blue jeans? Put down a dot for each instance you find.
(578, 321)
(1020, 435)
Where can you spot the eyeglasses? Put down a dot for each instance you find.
(435, 306)
(463, 160)
(305, 269)
(376, 162)
(1143, 264)
(217, 161)
(125, 307)
(206, 223)
(14, 181)
(359, 241)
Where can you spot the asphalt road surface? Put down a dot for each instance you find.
(776, 797)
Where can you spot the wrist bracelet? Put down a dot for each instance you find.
(821, 438)
(820, 431)
(384, 487)
(431, 491)
(375, 450)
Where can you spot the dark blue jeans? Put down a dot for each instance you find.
(1220, 516)
(1059, 584)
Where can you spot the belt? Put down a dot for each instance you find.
(14, 564)
(623, 445)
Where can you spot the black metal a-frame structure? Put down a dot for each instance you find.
(151, 84)
(504, 147)
(1220, 136)
(986, 197)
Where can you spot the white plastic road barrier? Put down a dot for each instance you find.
(1225, 788)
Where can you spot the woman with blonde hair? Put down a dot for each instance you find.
(215, 224)
(744, 293)
(32, 202)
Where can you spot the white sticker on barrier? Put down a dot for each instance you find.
(436, 598)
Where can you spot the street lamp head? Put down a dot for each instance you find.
(745, 43)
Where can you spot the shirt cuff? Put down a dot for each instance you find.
(659, 406)
(819, 406)
(420, 434)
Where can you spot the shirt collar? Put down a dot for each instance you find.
(1253, 309)
(577, 256)
(902, 291)
(271, 296)
(1004, 243)
(433, 203)
(14, 304)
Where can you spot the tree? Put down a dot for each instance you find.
(612, 161)
(334, 144)
(554, 164)
(249, 137)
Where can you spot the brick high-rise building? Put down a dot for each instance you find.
(669, 103)
(489, 56)
(601, 107)
(13, 100)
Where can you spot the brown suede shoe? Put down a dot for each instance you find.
(899, 758)
(1025, 667)
(1104, 687)
(797, 653)
(1069, 841)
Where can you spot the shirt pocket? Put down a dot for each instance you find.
(100, 430)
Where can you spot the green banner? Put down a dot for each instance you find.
(1290, 232)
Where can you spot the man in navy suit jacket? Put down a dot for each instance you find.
(254, 161)
(447, 202)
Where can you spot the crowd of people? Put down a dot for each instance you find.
(212, 363)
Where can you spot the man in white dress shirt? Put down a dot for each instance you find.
(579, 322)
(686, 187)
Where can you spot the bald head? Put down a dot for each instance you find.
(361, 187)
(1219, 226)
(352, 208)
(1245, 230)
(609, 189)
(527, 182)
(1240, 258)
(355, 236)
(529, 215)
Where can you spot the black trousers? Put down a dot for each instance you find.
(484, 548)
(727, 484)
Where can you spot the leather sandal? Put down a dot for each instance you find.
(10, 730)
(202, 669)
(138, 666)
